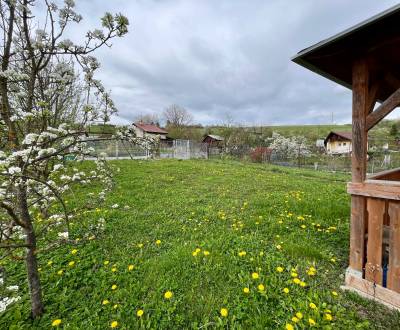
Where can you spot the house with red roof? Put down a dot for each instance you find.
(146, 130)
(338, 143)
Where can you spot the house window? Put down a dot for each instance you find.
(344, 143)
(340, 144)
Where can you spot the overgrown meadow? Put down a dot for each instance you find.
(203, 245)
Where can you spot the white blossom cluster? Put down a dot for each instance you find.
(292, 147)
(7, 301)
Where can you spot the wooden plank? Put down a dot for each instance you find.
(393, 279)
(391, 190)
(360, 78)
(376, 213)
(372, 291)
(357, 233)
(384, 109)
(389, 175)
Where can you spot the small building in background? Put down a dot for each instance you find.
(146, 130)
(213, 140)
(338, 143)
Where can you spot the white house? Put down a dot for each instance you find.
(146, 130)
(338, 143)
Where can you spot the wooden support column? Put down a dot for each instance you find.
(361, 107)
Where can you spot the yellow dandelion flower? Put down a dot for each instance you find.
(289, 326)
(246, 290)
(60, 272)
(158, 242)
(139, 312)
(295, 319)
(114, 324)
(140, 245)
(303, 284)
(71, 263)
(328, 317)
(114, 287)
(106, 263)
(194, 253)
(334, 293)
(206, 253)
(242, 253)
(312, 306)
(279, 269)
(115, 306)
(279, 247)
(114, 269)
(197, 250)
(105, 302)
(224, 312)
(261, 287)
(296, 281)
(50, 263)
(74, 251)
(56, 323)
(303, 226)
(254, 276)
(294, 274)
(299, 315)
(311, 321)
(130, 267)
(286, 290)
(168, 295)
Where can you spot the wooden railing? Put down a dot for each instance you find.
(381, 237)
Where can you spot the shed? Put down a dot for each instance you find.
(213, 140)
(366, 59)
(338, 143)
(143, 130)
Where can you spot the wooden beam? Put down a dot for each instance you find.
(375, 188)
(384, 109)
(373, 291)
(360, 112)
(372, 95)
(359, 162)
(376, 213)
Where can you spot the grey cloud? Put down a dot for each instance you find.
(225, 57)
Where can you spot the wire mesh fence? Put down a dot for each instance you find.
(187, 149)
(179, 149)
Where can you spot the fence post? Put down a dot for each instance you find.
(116, 149)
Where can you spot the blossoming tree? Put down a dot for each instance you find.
(48, 95)
(293, 147)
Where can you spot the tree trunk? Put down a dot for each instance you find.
(35, 289)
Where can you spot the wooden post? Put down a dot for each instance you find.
(359, 163)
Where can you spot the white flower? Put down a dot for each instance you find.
(14, 169)
(13, 288)
(115, 206)
(64, 235)
(58, 167)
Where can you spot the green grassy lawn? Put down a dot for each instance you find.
(205, 231)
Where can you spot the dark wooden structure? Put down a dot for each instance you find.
(366, 58)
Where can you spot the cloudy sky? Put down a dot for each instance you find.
(225, 59)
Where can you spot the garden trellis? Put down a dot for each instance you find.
(366, 59)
